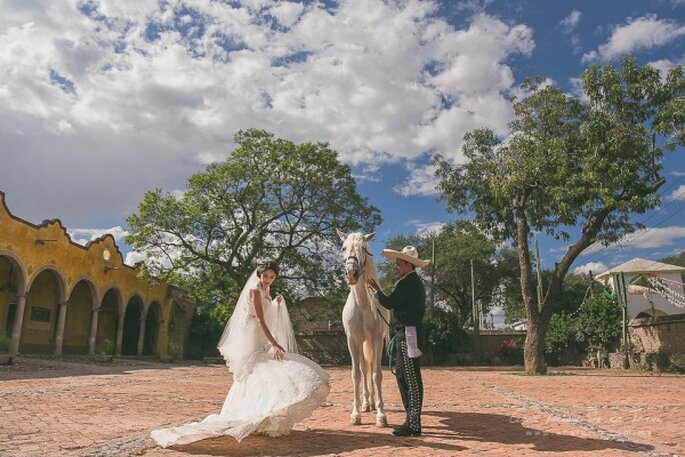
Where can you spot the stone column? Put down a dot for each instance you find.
(59, 335)
(141, 336)
(120, 334)
(18, 323)
(92, 336)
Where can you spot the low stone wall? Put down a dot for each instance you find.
(661, 334)
(325, 348)
(491, 340)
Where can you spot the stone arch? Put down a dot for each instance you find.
(12, 286)
(108, 320)
(44, 299)
(80, 306)
(132, 319)
(153, 321)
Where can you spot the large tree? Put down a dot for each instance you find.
(271, 199)
(588, 162)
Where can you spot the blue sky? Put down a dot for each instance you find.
(101, 100)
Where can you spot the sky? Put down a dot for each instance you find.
(101, 100)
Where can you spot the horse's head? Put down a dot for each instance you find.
(355, 253)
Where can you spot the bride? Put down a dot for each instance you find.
(273, 386)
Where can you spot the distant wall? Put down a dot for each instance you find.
(661, 334)
(324, 347)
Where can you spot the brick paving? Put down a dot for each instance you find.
(72, 408)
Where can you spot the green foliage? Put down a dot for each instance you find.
(270, 199)
(677, 362)
(106, 347)
(562, 336)
(573, 289)
(5, 343)
(590, 162)
(443, 333)
(600, 321)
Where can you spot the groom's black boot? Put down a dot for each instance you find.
(405, 430)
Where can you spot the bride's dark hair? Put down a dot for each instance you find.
(268, 265)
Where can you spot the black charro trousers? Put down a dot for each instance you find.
(409, 382)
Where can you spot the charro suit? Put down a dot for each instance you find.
(408, 303)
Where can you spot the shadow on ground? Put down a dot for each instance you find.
(508, 430)
(308, 443)
(455, 428)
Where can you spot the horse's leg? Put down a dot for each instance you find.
(377, 373)
(357, 357)
(366, 365)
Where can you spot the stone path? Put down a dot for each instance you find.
(70, 408)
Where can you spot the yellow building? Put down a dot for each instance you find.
(58, 297)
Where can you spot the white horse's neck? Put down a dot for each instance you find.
(362, 292)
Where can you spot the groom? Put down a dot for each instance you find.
(407, 301)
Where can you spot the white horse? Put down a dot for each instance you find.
(365, 327)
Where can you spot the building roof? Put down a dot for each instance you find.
(638, 265)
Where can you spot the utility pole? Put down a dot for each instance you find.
(433, 272)
(476, 318)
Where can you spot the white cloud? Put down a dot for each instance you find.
(103, 100)
(428, 228)
(664, 66)
(421, 181)
(642, 33)
(570, 22)
(678, 194)
(653, 237)
(84, 235)
(134, 257)
(594, 267)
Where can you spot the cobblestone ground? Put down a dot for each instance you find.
(72, 408)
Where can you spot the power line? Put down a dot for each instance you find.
(593, 256)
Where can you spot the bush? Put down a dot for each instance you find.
(561, 339)
(600, 321)
(5, 343)
(511, 352)
(106, 347)
(677, 362)
(443, 334)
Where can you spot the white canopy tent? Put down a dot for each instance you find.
(660, 293)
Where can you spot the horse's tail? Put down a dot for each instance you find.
(367, 349)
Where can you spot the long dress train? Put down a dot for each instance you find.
(268, 396)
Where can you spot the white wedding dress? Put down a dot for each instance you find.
(267, 396)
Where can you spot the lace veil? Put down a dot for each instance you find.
(242, 339)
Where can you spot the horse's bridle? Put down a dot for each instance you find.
(356, 265)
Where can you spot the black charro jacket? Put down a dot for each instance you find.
(408, 303)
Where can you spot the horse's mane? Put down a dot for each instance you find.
(360, 247)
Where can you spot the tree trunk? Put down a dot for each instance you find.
(534, 348)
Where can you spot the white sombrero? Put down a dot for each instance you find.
(408, 254)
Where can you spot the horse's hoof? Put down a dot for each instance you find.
(381, 421)
(366, 408)
(355, 419)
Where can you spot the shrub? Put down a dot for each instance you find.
(106, 346)
(443, 334)
(600, 321)
(677, 362)
(562, 337)
(5, 343)
(510, 352)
